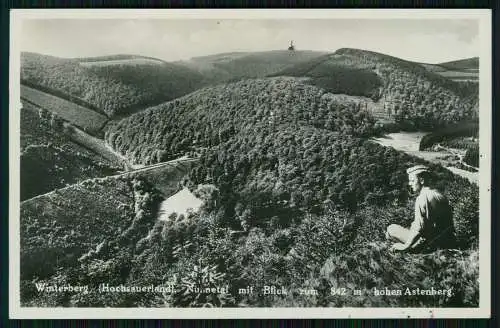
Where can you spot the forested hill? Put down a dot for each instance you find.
(406, 91)
(116, 85)
(122, 84)
(244, 65)
(212, 115)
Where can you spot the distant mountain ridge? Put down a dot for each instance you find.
(233, 66)
(404, 90)
(116, 57)
(127, 84)
(309, 92)
(123, 84)
(467, 63)
(463, 70)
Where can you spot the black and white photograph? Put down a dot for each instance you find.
(250, 163)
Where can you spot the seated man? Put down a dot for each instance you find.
(433, 224)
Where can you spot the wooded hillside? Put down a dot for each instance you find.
(115, 89)
(212, 115)
(413, 96)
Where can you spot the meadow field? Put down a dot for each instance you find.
(80, 116)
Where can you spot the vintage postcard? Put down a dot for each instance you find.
(250, 163)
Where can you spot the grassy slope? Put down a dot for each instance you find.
(235, 66)
(82, 117)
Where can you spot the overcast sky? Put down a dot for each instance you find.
(430, 41)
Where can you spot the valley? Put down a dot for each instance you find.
(290, 163)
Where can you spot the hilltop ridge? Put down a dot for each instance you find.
(406, 91)
(467, 63)
(233, 66)
(118, 89)
(130, 83)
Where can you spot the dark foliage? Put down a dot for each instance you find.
(472, 156)
(86, 244)
(449, 133)
(61, 94)
(271, 179)
(337, 79)
(231, 67)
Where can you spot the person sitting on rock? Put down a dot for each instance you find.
(432, 226)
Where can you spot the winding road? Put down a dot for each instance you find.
(174, 163)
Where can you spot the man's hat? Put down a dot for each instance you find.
(417, 169)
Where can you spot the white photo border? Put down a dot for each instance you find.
(483, 16)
